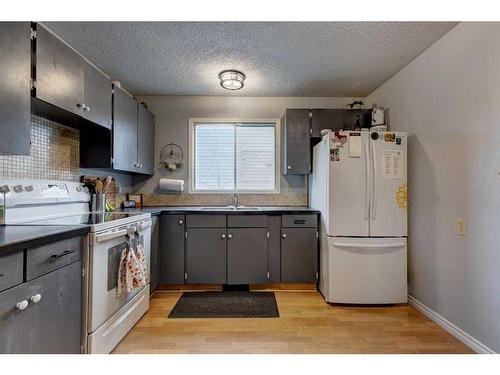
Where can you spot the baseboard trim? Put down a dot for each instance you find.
(461, 335)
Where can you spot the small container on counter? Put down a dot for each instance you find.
(98, 202)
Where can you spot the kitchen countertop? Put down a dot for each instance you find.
(216, 209)
(21, 236)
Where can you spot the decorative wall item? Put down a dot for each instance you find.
(171, 156)
(55, 154)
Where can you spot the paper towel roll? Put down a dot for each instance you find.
(171, 185)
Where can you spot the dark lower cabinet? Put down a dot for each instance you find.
(15, 64)
(172, 229)
(247, 255)
(206, 255)
(50, 325)
(155, 253)
(299, 255)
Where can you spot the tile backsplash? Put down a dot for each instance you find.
(55, 154)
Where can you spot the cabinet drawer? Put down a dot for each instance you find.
(247, 221)
(301, 220)
(206, 221)
(11, 270)
(47, 258)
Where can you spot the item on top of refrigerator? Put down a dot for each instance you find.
(338, 140)
(324, 132)
(379, 128)
(378, 116)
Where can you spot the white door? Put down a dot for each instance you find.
(367, 270)
(388, 200)
(349, 182)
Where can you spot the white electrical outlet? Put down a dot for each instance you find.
(461, 228)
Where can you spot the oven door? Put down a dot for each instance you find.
(105, 252)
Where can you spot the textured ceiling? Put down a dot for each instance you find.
(278, 58)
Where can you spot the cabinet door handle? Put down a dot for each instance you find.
(181, 222)
(229, 236)
(2, 274)
(223, 236)
(63, 254)
(299, 221)
(22, 305)
(36, 298)
(284, 235)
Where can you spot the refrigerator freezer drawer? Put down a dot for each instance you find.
(367, 270)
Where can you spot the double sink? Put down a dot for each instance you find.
(232, 208)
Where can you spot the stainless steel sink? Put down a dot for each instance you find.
(231, 208)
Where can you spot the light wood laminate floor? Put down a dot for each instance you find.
(306, 325)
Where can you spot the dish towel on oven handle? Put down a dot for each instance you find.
(133, 271)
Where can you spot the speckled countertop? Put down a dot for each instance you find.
(21, 236)
(215, 209)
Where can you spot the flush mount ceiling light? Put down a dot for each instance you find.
(232, 79)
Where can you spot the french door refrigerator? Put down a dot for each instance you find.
(359, 183)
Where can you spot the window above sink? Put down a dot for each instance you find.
(228, 156)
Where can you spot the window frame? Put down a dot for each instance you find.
(193, 121)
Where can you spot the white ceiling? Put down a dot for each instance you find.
(278, 58)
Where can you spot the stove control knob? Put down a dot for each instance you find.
(4, 189)
(85, 189)
(79, 189)
(18, 188)
(28, 188)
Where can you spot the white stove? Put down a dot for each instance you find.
(107, 318)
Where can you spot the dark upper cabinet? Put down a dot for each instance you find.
(124, 131)
(59, 73)
(145, 141)
(97, 97)
(357, 118)
(15, 68)
(172, 229)
(326, 119)
(296, 153)
(67, 81)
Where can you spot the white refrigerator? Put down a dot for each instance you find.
(359, 183)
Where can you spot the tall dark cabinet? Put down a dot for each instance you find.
(296, 142)
(172, 255)
(15, 65)
(124, 131)
(145, 140)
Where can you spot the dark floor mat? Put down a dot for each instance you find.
(228, 304)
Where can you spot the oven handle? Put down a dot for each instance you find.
(103, 237)
(110, 235)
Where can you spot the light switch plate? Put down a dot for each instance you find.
(461, 227)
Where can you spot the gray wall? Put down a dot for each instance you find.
(172, 114)
(448, 99)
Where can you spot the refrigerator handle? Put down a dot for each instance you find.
(367, 188)
(369, 246)
(373, 201)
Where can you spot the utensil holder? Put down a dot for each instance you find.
(98, 202)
